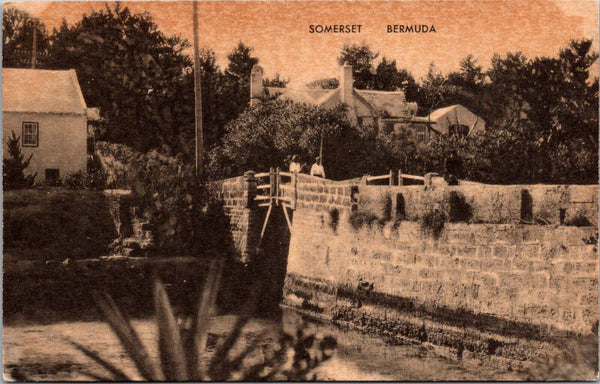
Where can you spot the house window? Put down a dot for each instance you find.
(460, 130)
(420, 134)
(30, 134)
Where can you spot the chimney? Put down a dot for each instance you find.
(346, 84)
(256, 85)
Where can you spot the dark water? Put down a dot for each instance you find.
(42, 352)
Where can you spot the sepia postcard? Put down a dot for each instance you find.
(300, 190)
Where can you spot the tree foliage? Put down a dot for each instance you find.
(133, 72)
(361, 58)
(325, 83)
(14, 165)
(266, 135)
(17, 38)
(276, 81)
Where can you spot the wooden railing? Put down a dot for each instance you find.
(392, 179)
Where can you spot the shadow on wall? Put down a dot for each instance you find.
(270, 266)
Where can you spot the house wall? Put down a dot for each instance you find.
(62, 142)
(462, 116)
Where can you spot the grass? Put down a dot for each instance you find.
(56, 223)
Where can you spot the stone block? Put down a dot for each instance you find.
(558, 282)
(491, 264)
(501, 251)
(582, 268)
(588, 252)
(527, 251)
(553, 252)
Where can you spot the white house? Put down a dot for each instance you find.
(455, 120)
(47, 110)
(365, 107)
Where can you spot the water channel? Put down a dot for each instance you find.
(42, 352)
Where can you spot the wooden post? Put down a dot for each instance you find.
(400, 181)
(321, 149)
(197, 93)
(277, 184)
(272, 184)
(295, 184)
(391, 180)
(34, 48)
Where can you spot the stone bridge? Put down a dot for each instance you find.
(507, 271)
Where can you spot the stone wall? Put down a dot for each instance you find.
(238, 195)
(494, 285)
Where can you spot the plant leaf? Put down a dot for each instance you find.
(97, 377)
(219, 359)
(129, 338)
(201, 321)
(117, 374)
(172, 358)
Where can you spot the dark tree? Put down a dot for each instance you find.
(276, 81)
(17, 39)
(14, 165)
(265, 135)
(361, 58)
(136, 75)
(241, 61)
(325, 83)
(386, 76)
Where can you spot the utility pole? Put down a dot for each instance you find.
(321, 149)
(34, 49)
(197, 94)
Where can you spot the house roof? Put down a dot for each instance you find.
(435, 115)
(314, 96)
(392, 104)
(41, 91)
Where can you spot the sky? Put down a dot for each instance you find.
(279, 30)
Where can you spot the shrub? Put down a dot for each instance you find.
(358, 219)
(460, 210)
(14, 165)
(433, 223)
(93, 179)
(334, 218)
(579, 220)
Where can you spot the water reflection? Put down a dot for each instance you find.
(43, 354)
(364, 357)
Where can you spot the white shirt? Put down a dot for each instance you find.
(295, 167)
(317, 170)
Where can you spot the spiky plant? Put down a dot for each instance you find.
(180, 350)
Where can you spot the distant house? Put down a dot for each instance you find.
(387, 110)
(364, 107)
(452, 120)
(47, 110)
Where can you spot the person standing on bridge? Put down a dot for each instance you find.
(317, 168)
(295, 166)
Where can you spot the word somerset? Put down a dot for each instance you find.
(335, 28)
